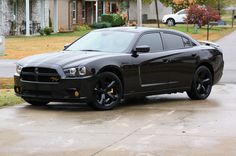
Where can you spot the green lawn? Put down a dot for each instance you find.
(7, 95)
(216, 32)
(8, 98)
(67, 34)
(75, 33)
(227, 17)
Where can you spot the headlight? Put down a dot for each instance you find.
(76, 72)
(82, 71)
(18, 69)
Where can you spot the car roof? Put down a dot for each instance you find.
(145, 29)
(139, 29)
(128, 29)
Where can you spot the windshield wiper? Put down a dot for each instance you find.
(89, 50)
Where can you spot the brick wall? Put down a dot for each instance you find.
(80, 20)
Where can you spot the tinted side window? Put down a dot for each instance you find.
(173, 41)
(187, 42)
(153, 40)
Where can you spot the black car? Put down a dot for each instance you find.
(108, 65)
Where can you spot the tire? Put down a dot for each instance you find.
(201, 85)
(36, 102)
(170, 22)
(108, 92)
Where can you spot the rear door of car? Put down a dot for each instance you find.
(182, 58)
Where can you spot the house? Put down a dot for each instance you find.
(23, 17)
(74, 12)
(26, 17)
(148, 11)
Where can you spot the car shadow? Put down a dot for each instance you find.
(158, 101)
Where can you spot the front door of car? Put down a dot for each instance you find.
(181, 15)
(153, 66)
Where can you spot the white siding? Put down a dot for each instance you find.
(6, 14)
(5, 25)
(1, 16)
(149, 9)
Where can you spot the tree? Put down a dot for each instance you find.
(157, 14)
(183, 4)
(201, 15)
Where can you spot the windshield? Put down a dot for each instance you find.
(104, 41)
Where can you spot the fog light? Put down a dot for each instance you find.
(76, 93)
(17, 89)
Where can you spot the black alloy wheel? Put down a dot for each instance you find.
(202, 84)
(107, 91)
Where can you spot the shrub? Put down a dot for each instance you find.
(100, 25)
(41, 31)
(83, 27)
(114, 19)
(107, 18)
(76, 28)
(201, 15)
(48, 31)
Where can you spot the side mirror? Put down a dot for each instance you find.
(141, 49)
(66, 46)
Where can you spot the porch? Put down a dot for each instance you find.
(95, 8)
(76, 12)
(23, 17)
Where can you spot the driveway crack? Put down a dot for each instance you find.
(117, 141)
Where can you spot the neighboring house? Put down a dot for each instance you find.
(148, 11)
(74, 12)
(23, 17)
(26, 17)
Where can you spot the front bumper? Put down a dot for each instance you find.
(76, 89)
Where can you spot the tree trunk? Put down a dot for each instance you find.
(157, 13)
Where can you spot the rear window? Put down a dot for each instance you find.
(173, 41)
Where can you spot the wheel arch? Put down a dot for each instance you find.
(113, 69)
(171, 18)
(209, 66)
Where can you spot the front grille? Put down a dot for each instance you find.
(39, 74)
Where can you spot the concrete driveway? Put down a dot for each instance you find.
(162, 125)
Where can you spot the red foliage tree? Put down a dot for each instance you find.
(201, 15)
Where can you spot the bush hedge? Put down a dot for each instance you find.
(100, 25)
(114, 19)
(83, 27)
(48, 31)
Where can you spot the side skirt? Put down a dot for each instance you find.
(156, 92)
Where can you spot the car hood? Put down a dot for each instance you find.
(63, 58)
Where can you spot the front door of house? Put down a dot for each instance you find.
(90, 12)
